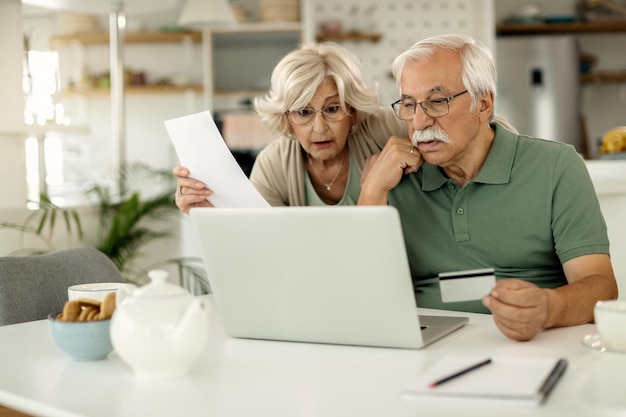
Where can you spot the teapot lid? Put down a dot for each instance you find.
(159, 287)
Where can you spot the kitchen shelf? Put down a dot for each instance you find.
(37, 130)
(173, 36)
(260, 27)
(134, 89)
(529, 29)
(506, 29)
(243, 93)
(603, 77)
(343, 37)
(130, 37)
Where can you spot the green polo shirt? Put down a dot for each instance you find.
(531, 207)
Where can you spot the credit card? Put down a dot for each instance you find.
(467, 285)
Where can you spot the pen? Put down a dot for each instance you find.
(459, 373)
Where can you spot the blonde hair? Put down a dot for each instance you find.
(298, 75)
(479, 70)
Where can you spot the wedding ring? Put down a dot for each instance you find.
(412, 149)
(179, 191)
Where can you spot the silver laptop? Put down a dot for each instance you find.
(335, 275)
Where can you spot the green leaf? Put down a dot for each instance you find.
(42, 222)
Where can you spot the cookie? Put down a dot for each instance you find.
(71, 311)
(85, 312)
(88, 302)
(107, 307)
(86, 309)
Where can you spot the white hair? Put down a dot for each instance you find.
(479, 70)
(297, 76)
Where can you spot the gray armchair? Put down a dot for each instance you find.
(31, 287)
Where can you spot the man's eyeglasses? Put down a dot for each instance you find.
(405, 108)
(333, 113)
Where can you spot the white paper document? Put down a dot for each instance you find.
(201, 149)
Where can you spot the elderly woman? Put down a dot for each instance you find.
(327, 123)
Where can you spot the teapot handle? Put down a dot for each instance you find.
(124, 291)
(196, 312)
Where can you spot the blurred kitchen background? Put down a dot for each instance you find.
(562, 76)
(541, 91)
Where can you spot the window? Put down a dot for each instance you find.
(56, 152)
(41, 86)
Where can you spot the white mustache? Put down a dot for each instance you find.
(428, 134)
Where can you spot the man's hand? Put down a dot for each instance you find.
(520, 309)
(384, 171)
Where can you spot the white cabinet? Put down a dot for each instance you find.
(242, 58)
(238, 68)
(609, 179)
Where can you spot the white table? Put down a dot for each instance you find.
(236, 377)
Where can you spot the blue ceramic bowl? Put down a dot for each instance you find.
(82, 341)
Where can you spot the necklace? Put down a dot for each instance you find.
(330, 184)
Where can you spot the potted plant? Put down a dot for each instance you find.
(127, 222)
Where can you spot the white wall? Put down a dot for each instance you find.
(402, 23)
(12, 172)
(609, 178)
(613, 206)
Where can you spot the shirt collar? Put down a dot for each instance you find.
(495, 170)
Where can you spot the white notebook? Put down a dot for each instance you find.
(513, 380)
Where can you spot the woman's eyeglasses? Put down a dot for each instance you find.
(332, 113)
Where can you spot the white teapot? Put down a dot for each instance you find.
(159, 329)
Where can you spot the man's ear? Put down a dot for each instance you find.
(485, 106)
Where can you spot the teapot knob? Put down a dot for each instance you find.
(157, 276)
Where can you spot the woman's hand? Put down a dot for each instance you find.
(190, 192)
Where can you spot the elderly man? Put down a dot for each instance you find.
(473, 194)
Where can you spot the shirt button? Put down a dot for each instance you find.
(460, 211)
(451, 186)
